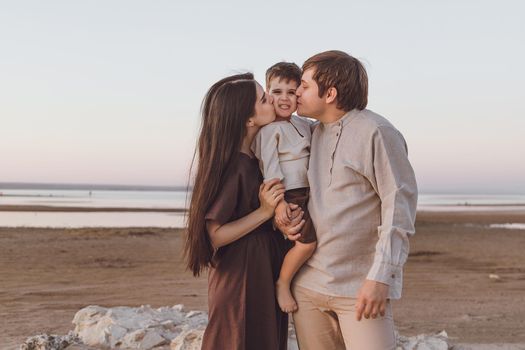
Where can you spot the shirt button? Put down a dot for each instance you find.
(393, 276)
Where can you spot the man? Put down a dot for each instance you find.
(363, 197)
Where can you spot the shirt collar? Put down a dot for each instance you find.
(344, 120)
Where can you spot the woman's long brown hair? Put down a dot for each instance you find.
(226, 108)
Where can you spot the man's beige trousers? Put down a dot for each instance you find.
(325, 322)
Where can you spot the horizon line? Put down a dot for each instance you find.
(143, 187)
(87, 186)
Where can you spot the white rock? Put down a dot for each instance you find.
(188, 340)
(137, 328)
(292, 338)
(489, 347)
(49, 342)
(114, 334)
(152, 339)
(172, 328)
(437, 341)
(194, 313)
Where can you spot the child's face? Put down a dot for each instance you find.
(284, 99)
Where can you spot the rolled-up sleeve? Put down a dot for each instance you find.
(396, 186)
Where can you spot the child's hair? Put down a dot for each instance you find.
(283, 70)
(226, 108)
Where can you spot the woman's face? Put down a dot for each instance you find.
(264, 109)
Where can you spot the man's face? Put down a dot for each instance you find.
(284, 99)
(309, 104)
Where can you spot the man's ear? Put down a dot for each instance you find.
(331, 95)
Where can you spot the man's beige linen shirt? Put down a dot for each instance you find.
(283, 150)
(363, 197)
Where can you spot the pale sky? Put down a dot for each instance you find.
(109, 91)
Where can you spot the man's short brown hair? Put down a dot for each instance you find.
(344, 72)
(284, 70)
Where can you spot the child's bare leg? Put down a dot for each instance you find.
(293, 260)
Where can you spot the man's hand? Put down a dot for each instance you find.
(293, 230)
(371, 299)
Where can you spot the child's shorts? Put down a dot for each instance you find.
(300, 197)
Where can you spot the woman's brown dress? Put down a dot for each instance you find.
(243, 309)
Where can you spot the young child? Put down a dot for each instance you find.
(283, 150)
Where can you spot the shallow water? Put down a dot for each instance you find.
(177, 200)
(97, 219)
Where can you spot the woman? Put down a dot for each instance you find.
(228, 227)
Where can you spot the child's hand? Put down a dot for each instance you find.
(282, 213)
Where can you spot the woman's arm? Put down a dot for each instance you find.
(270, 193)
(232, 231)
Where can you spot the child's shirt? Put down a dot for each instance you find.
(283, 150)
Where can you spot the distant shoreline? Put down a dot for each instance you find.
(86, 187)
(68, 209)
(473, 205)
(461, 210)
(471, 217)
(6, 185)
(479, 214)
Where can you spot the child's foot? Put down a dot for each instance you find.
(285, 298)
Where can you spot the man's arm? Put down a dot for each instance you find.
(396, 186)
(397, 189)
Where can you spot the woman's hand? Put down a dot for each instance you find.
(270, 194)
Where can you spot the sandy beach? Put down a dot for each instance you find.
(47, 275)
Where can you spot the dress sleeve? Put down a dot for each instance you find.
(224, 206)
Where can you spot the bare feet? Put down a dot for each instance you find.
(284, 297)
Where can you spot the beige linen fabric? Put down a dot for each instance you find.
(329, 322)
(363, 197)
(283, 149)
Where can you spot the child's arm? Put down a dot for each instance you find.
(270, 194)
(266, 149)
